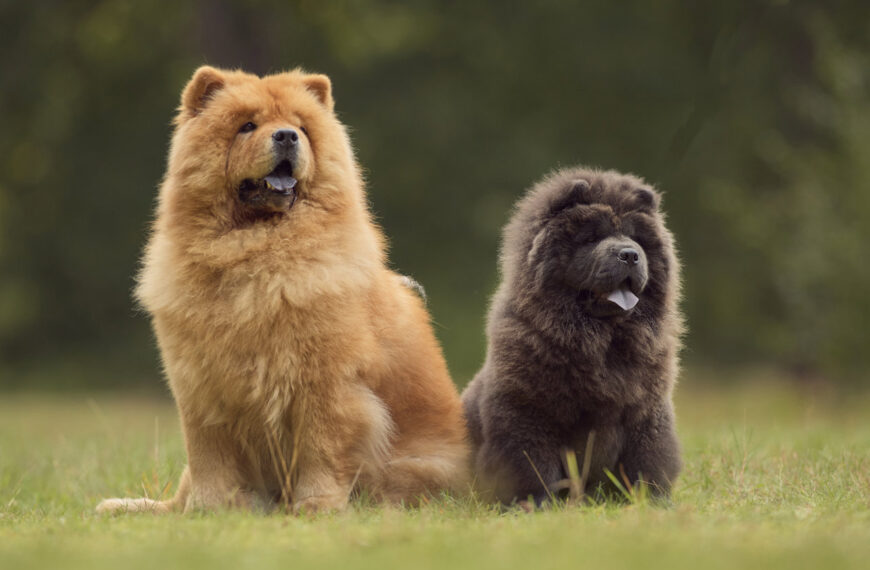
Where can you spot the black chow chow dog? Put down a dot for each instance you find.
(584, 334)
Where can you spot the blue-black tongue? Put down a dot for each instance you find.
(281, 179)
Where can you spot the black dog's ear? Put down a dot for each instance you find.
(646, 199)
(577, 193)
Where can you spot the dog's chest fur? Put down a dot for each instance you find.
(250, 350)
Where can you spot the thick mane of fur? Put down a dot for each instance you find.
(195, 232)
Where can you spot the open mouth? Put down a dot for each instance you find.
(616, 302)
(281, 179)
(276, 191)
(623, 297)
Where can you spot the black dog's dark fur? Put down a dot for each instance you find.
(562, 361)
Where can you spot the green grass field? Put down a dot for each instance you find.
(774, 478)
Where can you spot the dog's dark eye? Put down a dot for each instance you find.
(644, 243)
(304, 130)
(247, 127)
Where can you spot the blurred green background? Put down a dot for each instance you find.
(752, 116)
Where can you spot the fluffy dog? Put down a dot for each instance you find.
(303, 369)
(583, 336)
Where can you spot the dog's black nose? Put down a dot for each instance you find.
(628, 255)
(285, 137)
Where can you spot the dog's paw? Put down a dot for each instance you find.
(320, 504)
(121, 506)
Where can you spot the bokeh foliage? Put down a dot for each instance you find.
(753, 116)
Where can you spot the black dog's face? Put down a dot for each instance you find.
(608, 268)
(599, 252)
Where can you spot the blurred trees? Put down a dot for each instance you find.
(753, 117)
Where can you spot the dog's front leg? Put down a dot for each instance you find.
(340, 432)
(219, 477)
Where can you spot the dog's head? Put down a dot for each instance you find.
(248, 148)
(595, 237)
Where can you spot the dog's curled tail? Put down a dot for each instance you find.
(414, 285)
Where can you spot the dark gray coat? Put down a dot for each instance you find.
(583, 335)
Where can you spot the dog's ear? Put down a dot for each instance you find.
(548, 254)
(645, 199)
(321, 86)
(576, 193)
(206, 81)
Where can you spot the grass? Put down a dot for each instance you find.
(775, 477)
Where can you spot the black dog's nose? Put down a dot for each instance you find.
(628, 255)
(285, 137)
